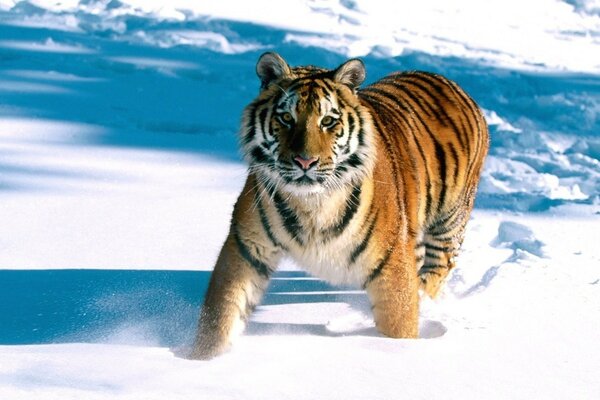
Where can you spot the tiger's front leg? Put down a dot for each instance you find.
(393, 291)
(236, 287)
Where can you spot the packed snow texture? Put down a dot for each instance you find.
(118, 150)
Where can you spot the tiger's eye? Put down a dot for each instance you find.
(286, 117)
(328, 121)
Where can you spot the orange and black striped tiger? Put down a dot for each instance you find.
(369, 187)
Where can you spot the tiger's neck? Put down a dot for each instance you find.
(322, 209)
(324, 216)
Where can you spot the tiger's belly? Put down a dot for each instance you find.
(329, 262)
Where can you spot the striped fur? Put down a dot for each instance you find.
(369, 187)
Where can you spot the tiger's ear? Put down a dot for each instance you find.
(271, 66)
(351, 73)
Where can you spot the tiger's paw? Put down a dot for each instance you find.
(430, 284)
(207, 349)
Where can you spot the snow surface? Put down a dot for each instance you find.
(119, 167)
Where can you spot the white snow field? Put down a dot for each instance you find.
(119, 168)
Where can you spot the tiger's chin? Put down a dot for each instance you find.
(303, 186)
(304, 189)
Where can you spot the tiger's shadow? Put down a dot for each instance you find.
(298, 288)
(269, 328)
(161, 307)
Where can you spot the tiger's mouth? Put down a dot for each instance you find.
(302, 177)
(303, 181)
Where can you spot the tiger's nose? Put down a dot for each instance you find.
(305, 163)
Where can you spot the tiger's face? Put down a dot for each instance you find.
(307, 132)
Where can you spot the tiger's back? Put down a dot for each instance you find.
(371, 187)
(435, 139)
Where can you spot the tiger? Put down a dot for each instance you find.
(370, 187)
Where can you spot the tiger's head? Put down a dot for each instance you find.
(307, 132)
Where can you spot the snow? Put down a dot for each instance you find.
(119, 168)
(503, 315)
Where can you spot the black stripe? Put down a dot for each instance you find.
(342, 102)
(448, 215)
(361, 130)
(433, 103)
(313, 94)
(467, 104)
(429, 186)
(365, 242)
(465, 101)
(252, 123)
(443, 229)
(467, 113)
(352, 204)
(439, 227)
(438, 147)
(351, 124)
(251, 132)
(379, 268)
(269, 145)
(327, 85)
(437, 248)
(455, 157)
(295, 84)
(260, 267)
(431, 269)
(309, 81)
(262, 120)
(259, 155)
(353, 161)
(428, 195)
(481, 129)
(442, 111)
(438, 83)
(347, 127)
(411, 94)
(289, 218)
(449, 238)
(266, 225)
(457, 213)
(410, 127)
(441, 156)
(378, 106)
(432, 255)
(342, 133)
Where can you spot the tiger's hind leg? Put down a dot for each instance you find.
(441, 244)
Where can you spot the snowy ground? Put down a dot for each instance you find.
(118, 151)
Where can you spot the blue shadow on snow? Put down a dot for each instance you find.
(126, 306)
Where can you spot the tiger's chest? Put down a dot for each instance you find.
(328, 260)
(323, 237)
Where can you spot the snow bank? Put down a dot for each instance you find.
(557, 38)
(544, 125)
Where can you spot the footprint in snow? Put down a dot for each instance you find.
(518, 237)
(430, 329)
(511, 235)
(350, 323)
